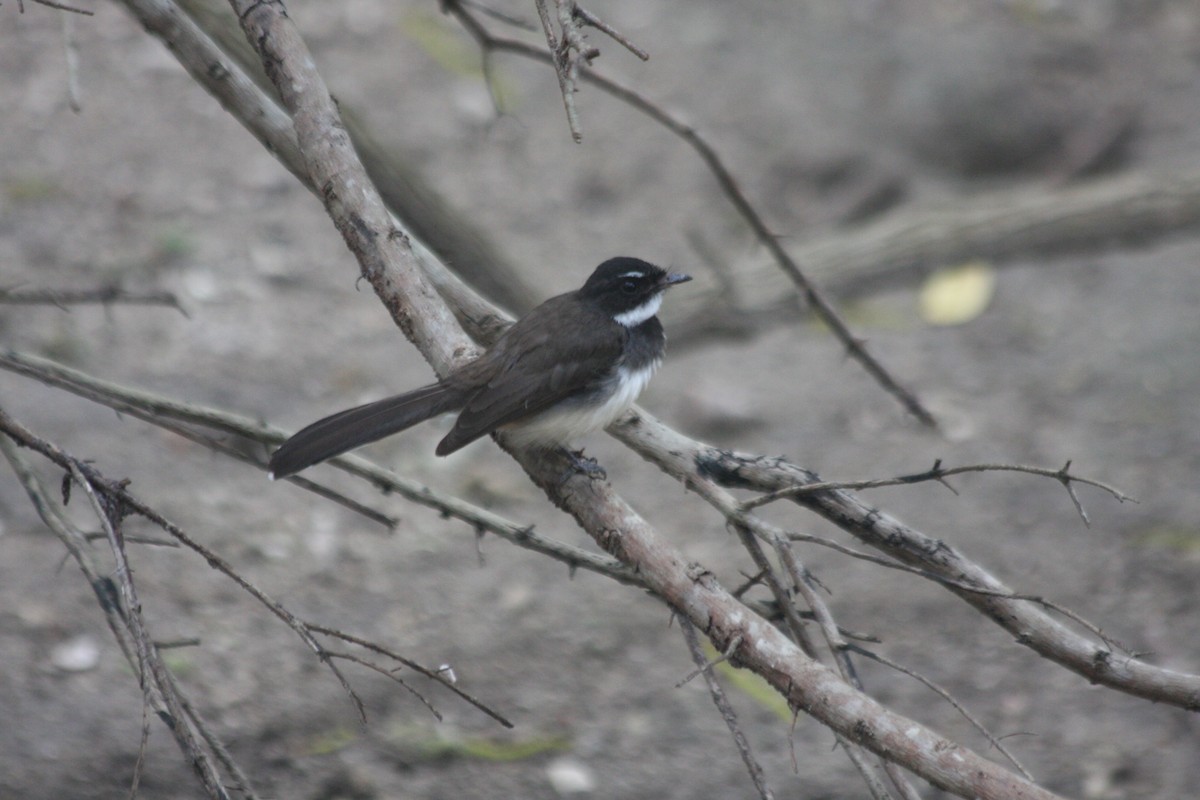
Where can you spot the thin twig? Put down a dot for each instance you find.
(150, 668)
(118, 495)
(390, 674)
(144, 740)
(748, 530)
(394, 270)
(939, 473)
(437, 675)
(234, 452)
(161, 410)
(704, 667)
(120, 623)
(966, 578)
(565, 53)
(952, 583)
(775, 469)
(732, 190)
(802, 582)
(501, 16)
(164, 413)
(131, 538)
(945, 695)
(57, 5)
(600, 25)
(104, 295)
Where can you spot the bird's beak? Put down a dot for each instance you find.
(672, 278)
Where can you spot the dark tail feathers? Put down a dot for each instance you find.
(361, 425)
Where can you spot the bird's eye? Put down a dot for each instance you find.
(629, 287)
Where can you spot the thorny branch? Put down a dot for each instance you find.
(703, 466)
(666, 575)
(112, 502)
(939, 473)
(705, 667)
(392, 268)
(172, 414)
(180, 417)
(117, 599)
(802, 583)
(890, 563)
(732, 189)
(945, 695)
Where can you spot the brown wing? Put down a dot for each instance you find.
(550, 354)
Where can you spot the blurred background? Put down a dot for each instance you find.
(835, 117)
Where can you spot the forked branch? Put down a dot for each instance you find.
(731, 188)
(414, 289)
(387, 262)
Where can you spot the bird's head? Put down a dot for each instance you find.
(628, 289)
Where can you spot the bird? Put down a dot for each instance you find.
(570, 366)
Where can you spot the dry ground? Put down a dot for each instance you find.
(1094, 358)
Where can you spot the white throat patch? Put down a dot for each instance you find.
(636, 316)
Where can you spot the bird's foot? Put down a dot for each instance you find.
(582, 464)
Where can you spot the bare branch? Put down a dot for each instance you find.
(56, 5)
(566, 53)
(105, 295)
(391, 675)
(600, 25)
(731, 188)
(939, 473)
(166, 412)
(690, 590)
(801, 582)
(704, 667)
(161, 411)
(118, 599)
(116, 495)
(701, 465)
(120, 623)
(438, 675)
(501, 16)
(949, 698)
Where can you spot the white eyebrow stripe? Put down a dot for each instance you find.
(634, 274)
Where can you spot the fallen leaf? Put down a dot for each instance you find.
(956, 295)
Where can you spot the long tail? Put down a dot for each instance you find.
(361, 425)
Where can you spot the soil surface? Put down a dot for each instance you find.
(1091, 358)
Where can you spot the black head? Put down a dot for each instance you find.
(629, 289)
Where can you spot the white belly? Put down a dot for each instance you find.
(565, 424)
